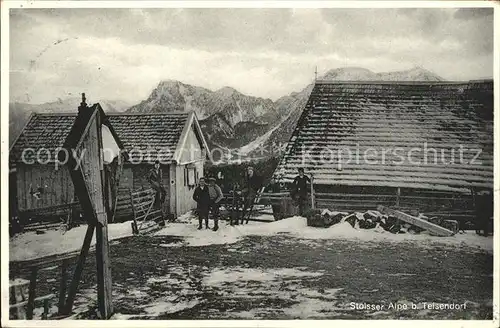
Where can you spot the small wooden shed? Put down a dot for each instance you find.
(42, 183)
(176, 140)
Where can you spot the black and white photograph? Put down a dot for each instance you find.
(249, 161)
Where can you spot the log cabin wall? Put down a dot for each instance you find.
(458, 206)
(41, 186)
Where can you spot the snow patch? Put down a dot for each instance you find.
(220, 277)
(171, 305)
(297, 227)
(29, 245)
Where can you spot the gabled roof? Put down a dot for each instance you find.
(144, 136)
(151, 136)
(43, 131)
(369, 117)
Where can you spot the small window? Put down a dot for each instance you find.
(191, 176)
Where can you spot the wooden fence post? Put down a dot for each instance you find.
(62, 285)
(398, 195)
(32, 293)
(313, 201)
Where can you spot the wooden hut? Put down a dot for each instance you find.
(371, 143)
(43, 186)
(176, 140)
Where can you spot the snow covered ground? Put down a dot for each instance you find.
(29, 245)
(297, 227)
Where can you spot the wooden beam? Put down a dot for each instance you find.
(398, 196)
(434, 228)
(104, 295)
(78, 270)
(63, 285)
(32, 293)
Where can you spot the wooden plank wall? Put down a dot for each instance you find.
(443, 204)
(184, 193)
(57, 186)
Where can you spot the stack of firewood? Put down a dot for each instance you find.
(371, 220)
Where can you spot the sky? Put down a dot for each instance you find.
(122, 54)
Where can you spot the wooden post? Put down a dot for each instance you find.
(313, 205)
(103, 272)
(398, 195)
(32, 293)
(78, 270)
(45, 309)
(104, 294)
(62, 285)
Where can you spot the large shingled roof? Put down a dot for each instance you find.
(144, 135)
(367, 118)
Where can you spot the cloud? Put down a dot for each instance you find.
(473, 13)
(124, 53)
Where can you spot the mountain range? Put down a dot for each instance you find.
(229, 119)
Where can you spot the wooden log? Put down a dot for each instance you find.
(32, 293)
(78, 270)
(421, 223)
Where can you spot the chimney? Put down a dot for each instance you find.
(83, 104)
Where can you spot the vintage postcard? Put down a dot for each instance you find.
(240, 163)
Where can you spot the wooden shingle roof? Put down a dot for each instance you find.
(148, 137)
(366, 119)
(144, 136)
(43, 134)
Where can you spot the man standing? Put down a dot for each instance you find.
(252, 185)
(215, 197)
(300, 187)
(201, 196)
(155, 178)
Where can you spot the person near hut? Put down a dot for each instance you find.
(252, 184)
(299, 190)
(201, 196)
(155, 178)
(274, 187)
(484, 211)
(215, 197)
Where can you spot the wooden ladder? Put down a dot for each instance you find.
(150, 219)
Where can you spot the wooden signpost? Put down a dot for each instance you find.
(86, 170)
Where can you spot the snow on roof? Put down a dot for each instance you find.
(342, 121)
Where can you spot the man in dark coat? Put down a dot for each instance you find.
(252, 184)
(201, 196)
(300, 188)
(155, 178)
(215, 197)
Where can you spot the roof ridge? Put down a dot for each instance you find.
(146, 114)
(55, 114)
(404, 82)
